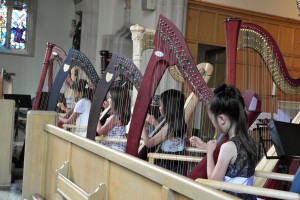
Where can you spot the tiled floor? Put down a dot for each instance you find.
(14, 192)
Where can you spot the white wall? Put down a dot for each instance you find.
(54, 22)
(52, 25)
(111, 18)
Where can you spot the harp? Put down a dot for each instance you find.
(162, 62)
(142, 41)
(53, 54)
(74, 82)
(74, 58)
(170, 49)
(118, 66)
(253, 52)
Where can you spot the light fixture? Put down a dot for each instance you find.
(298, 4)
(18, 4)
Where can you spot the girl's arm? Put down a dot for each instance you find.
(72, 118)
(227, 154)
(109, 124)
(156, 139)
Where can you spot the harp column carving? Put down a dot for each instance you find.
(137, 32)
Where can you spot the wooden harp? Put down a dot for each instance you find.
(53, 54)
(74, 58)
(253, 53)
(118, 66)
(170, 49)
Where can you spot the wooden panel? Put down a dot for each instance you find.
(206, 26)
(192, 25)
(34, 154)
(293, 66)
(220, 33)
(193, 47)
(286, 39)
(297, 42)
(259, 23)
(7, 116)
(273, 29)
(286, 32)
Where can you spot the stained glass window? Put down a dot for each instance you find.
(15, 30)
(3, 20)
(18, 29)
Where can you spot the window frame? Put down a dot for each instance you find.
(30, 31)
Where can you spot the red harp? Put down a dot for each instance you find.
(53, 54)
(170, 49)
(254, 61)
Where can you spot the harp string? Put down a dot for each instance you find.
(205, 134)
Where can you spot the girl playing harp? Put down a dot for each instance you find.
(172, 135)
(82, 107)
(237, 158)
(119, 101)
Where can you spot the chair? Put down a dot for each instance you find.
(296, 182)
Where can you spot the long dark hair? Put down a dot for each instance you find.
(173, 105)
(82, 86)
(121, 103)
(229, 101)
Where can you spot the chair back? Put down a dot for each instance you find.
(296, 182)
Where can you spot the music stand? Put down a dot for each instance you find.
(286, 138)
(22, 101)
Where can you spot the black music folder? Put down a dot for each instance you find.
(22, 100)
(285, 137)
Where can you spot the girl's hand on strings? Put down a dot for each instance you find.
(197, 142)
(151, 119)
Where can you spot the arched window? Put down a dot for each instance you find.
(17, 26)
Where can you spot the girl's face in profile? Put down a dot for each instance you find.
(213, 120)
(161, 108)
(108, 99)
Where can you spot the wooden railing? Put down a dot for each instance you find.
(91, 164)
